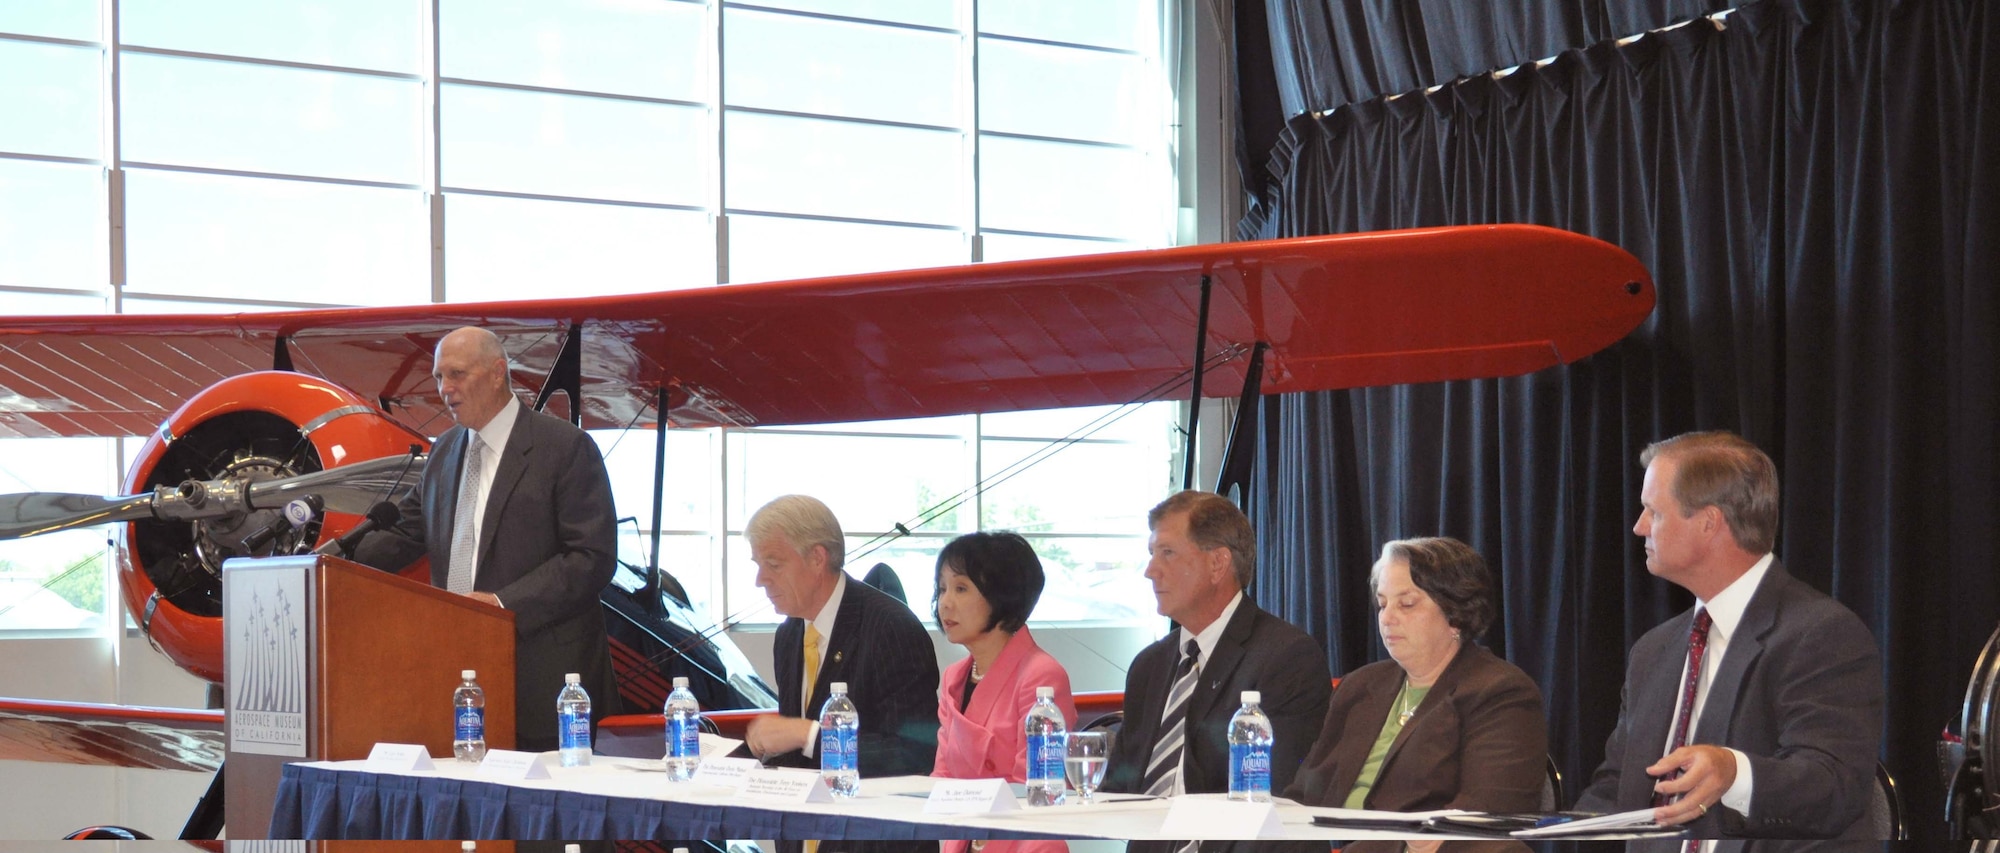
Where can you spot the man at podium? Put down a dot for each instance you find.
(514, 509)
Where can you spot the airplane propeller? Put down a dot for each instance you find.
(348, 488)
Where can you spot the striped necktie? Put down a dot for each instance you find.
(1163, 772)
(464, 539)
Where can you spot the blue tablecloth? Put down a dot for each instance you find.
(326, 803)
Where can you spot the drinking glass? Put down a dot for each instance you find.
(1088, 754)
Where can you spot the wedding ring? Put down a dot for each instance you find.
(1704, 809)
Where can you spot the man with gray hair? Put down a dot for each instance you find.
(1758, 712)
(838, 629)
(1181, 690)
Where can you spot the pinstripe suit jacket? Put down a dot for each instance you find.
(884, 654)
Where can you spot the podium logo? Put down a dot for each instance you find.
(266, 671)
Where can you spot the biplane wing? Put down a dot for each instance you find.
(111, 735)
(1337, 312)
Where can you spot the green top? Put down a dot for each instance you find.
(1406, 703)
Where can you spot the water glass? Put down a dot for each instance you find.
(1088, 754)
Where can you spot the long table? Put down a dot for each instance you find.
(613, 798)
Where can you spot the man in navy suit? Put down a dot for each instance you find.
(527, 525)
(838, 629)
(1759, 712)
(1181, 691)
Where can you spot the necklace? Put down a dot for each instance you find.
(1408, 709)
(975, 669)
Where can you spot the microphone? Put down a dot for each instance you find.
(383, 514)
(295, 515)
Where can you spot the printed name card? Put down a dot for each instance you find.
(716, 746)
(774, 785)
(970, 796)
(1200, 817)
(399, 758)
(723, 771)
(509, 764)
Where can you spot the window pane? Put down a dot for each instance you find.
(146, 305)
(628, 456)
(870, 483)
(1094, 578)
(1017, 247)
(506, 248)
(766, 248)
(830, 168)
(534, 142)
(814, 65)
(378, 34)
(1151, 422)
(929, 13)
(1122, 24)
(63, 19)
(51, 225)
(913, 558)
(653, 49)
(290, 241)
(1125, 481)
(228, 115)
(1058, 188)
(49, 94)
(45, 304)
(1064, 92)
(56, 581)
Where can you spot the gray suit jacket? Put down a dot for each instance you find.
(1799, 693)
(1257, 651)
(547, 545)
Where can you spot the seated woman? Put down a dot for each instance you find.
(987, 584)
(1445, 724)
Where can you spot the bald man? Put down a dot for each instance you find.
(538, 537)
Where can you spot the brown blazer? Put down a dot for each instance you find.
(1479, 741)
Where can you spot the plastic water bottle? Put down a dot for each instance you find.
(573, 722)
(1250, 751)
(1048, 743)
(839, 736)
(683, 732)
(468, 740)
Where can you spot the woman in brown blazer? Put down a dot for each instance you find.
(1445, 724)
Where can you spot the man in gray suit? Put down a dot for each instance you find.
(514, 509)
(1759, 712)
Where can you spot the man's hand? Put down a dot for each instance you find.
(484, 598)
(772, 735)
(1707, 772)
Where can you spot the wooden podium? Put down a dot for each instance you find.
(323, 658)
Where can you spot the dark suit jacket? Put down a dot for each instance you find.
(1257, 651)
(546, 548)
(1799, 692)
(884, 654)
(1478, 741)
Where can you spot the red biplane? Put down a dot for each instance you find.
(244, 412)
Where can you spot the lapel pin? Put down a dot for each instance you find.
(836, 657)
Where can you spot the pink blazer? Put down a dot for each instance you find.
(987, 740)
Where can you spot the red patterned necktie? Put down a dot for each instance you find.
(1697, 644)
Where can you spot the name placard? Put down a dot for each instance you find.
(970, 796)
(1200, 817)
(724, 772)
(776, 785)
(399, 758)
(509, 764)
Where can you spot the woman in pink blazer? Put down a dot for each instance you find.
(987, 584)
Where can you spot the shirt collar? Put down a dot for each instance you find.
(1212, 634)
(823, 621)
(494, 433)
(1728, 606)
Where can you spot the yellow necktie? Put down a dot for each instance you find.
(812, 669)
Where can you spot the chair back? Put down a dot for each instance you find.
(1885, 807)
(1552, 788)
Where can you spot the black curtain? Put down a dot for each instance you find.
(1816, 189)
